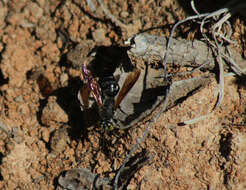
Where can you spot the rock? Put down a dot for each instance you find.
(52, 112)
(99, 36)
(45, 135)
(59, 140)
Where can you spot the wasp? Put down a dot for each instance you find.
(100, 82)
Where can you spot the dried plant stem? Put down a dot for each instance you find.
(217, 48)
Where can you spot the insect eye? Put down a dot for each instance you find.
(114, 89)
(109, 86)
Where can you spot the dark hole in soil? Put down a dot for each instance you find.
(225, 145)
(2, 79)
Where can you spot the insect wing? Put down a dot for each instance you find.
(136, 102)
(84, 96)
(92, 84)
(130, 80)
(95, 90)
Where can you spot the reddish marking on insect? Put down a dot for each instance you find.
(93, 85)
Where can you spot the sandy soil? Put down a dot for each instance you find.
(48, 133)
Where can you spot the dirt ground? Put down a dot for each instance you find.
(48, 133)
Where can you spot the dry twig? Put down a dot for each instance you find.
(214, 45)
(181, 52)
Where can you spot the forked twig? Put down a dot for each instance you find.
(217, 49)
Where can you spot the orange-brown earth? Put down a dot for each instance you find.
(48, 133)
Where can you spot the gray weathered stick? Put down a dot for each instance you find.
(81, 179)
(182, 52)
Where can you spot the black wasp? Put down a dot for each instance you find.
(99, 80)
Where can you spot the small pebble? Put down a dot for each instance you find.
(99, 35)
